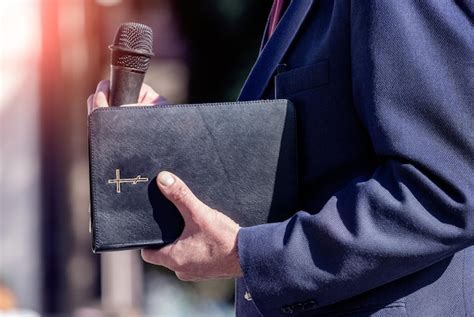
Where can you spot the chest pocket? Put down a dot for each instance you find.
(301, 79)
(307, 88)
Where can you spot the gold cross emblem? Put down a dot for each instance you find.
(119, 181)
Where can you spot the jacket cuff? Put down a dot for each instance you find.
(261, 253)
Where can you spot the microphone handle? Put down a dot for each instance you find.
(125, 85)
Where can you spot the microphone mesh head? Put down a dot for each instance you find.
(132, 47)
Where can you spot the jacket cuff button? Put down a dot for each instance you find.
(287, 310)
(248, 296)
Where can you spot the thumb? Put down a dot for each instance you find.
(179, 194)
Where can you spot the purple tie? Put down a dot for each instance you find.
(277, 9)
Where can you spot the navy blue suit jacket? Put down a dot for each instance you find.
(384, 97)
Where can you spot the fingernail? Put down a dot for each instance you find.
(165, 179)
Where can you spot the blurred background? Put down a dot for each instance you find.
(52, 54)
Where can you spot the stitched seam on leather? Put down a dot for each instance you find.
(290, 109)
(197, 105)
(92, 176)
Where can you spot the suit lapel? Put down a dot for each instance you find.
(265, 32)
(274, 50)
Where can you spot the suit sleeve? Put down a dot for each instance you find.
(412, 65)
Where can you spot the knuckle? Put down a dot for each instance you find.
(183, 276)
(176, 260)
(180, 194)
(179, 264)
(180, 276)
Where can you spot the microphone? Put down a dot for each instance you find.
(130, 58)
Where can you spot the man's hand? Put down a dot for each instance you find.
(101, 96)
(207, 248)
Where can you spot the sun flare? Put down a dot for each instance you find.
(19, 44)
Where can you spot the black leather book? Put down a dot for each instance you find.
(239, 158)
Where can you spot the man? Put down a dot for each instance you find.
(383, 94)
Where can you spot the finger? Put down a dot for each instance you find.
(179, 194)
(147, 95)
(158, 257)
(186, 277)
(101, 94)
(89, 104)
